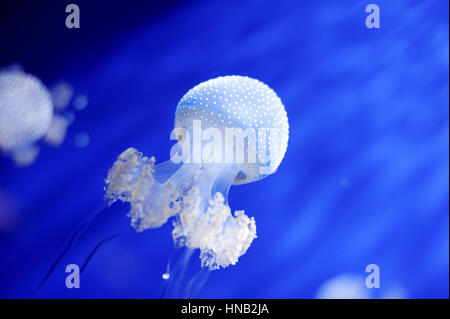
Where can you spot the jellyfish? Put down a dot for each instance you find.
(26, 112)
(353, 286)
(29, 112)
(239, 131)
(229, 130)
(344, 286)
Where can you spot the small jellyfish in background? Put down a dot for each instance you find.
(344, 286)
(230, 130)
(353, 286)
(26, 112)
(29, 112)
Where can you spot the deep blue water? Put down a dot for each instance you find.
(365, 178)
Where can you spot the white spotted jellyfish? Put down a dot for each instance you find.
(26, 111)
(230, 130)
(195, 192)
(29, 112)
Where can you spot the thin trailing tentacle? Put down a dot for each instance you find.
(96, 248)
(196, 283)
(71, 241)
(177, 274)
(223, 183)
(178, 282)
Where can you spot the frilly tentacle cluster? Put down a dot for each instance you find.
(221, 237)
(131, 180)
(201, 220)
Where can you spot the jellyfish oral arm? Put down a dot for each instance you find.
(194, 195)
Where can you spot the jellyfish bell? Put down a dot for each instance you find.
(195, 190)
(344, 286)
(242, 109)
(29, 112)
(26, 110)
(354, 286)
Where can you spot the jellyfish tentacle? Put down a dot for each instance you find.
(70, 243)
(132, 179)
(96, 248)
(171, 269)
(194, 194)
(206, 221)
(196, 283)
(171, 288)
(194, 203)
(164, 170)
(178, 280)
(224, 182)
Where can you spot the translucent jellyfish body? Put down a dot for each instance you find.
(26, 110)
(30, 112)
(229, 130)
(353, 286)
